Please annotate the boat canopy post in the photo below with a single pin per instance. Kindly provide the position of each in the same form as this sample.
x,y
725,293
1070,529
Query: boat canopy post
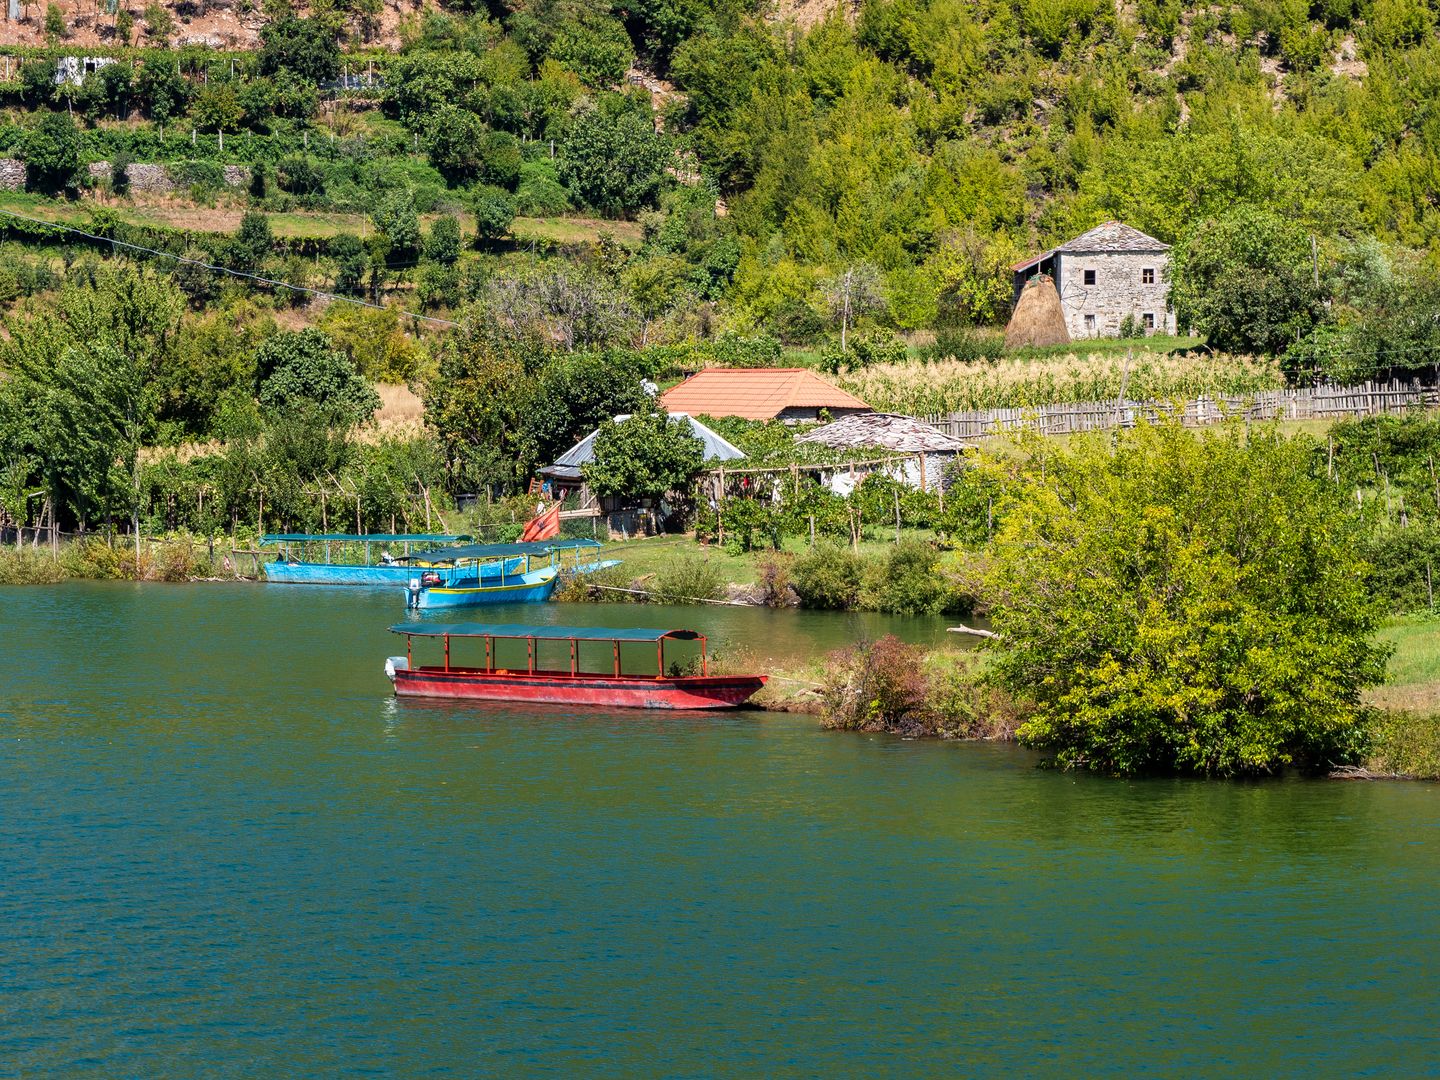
x,y
447,652
530,650
615,644
704,664
489,645
409,661
660,655
574,669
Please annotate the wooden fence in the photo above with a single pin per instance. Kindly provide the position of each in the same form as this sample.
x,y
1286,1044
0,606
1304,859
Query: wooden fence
x,y
1306,403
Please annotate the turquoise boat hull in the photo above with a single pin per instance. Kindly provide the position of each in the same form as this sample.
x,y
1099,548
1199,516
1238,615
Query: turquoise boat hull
x,y
310,573
532,588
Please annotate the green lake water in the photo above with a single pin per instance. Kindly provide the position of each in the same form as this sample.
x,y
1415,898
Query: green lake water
x,y
226,850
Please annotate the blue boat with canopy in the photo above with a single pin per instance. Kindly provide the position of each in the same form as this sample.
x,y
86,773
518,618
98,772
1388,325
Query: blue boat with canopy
x,y
498,573
358,558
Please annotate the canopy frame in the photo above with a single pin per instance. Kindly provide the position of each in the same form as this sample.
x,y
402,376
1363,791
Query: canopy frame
x,y
531,635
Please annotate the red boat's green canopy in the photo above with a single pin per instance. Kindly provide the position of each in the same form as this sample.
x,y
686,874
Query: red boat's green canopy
x,y
544,633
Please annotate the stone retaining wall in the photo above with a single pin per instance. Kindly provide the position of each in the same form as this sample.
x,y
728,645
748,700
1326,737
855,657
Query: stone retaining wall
x,y
151,178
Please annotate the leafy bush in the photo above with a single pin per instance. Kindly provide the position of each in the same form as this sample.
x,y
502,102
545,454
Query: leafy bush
x,y
540,192
687,578
1186,603
494,213
828,576
736,350
1405,566
775,569
907,581
28,567
966,344
749,523
94,559
877,686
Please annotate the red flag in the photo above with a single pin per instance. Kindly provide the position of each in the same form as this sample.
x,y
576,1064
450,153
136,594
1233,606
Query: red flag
x,y
545,526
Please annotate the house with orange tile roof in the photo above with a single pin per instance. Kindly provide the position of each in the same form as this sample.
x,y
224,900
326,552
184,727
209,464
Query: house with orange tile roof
x,y
761,394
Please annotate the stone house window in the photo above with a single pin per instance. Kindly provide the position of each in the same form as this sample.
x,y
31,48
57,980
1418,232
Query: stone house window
x,y
1090,320
1147,276
1149,319
1089,277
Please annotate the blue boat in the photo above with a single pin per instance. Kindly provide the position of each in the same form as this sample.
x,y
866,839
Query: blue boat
x,y
376,566
476,579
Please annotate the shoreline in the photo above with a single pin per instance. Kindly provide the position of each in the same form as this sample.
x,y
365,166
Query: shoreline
x,y
1405,730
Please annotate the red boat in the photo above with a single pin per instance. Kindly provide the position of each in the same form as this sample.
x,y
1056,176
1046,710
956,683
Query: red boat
x,y
566,686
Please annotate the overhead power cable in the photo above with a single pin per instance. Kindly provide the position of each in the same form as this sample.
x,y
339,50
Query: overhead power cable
x,y
274,283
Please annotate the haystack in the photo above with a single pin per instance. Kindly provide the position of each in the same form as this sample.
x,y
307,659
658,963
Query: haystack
x,y
1039,319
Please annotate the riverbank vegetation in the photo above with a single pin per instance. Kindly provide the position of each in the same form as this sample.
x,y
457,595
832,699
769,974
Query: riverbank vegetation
x,y
532,217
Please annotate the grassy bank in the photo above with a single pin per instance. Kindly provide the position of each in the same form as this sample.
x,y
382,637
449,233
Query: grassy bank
x,y
95,559
1406,738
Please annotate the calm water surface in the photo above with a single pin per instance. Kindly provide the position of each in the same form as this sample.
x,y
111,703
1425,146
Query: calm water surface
x,y
226,850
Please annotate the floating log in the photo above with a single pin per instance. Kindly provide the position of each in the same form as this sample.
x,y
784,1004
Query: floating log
x,y
973,630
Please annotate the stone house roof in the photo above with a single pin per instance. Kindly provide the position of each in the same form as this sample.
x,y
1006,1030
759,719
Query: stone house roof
x,y
1110,238
1113,236
903,434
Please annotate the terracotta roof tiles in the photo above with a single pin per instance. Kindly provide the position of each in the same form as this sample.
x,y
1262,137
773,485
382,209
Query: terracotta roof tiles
x,y
756,393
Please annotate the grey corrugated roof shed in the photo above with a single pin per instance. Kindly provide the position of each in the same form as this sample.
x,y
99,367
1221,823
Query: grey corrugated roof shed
x,y
903,434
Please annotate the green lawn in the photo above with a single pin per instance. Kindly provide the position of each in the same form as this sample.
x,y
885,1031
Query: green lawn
x,y
1413,680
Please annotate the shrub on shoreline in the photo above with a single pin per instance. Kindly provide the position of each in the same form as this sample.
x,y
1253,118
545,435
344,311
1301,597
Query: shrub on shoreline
x,y
685,579
27,567
828,577
887,685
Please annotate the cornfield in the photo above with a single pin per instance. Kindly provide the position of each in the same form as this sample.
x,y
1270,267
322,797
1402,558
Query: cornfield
x,y
953,386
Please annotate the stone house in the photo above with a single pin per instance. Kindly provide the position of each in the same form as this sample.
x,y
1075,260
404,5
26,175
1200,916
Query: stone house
x,y
1104,275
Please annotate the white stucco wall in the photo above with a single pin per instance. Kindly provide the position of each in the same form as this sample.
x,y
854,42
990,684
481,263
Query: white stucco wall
x,y
1119,290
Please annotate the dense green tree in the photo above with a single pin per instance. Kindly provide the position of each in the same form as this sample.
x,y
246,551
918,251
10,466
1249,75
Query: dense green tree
x,y
161,90
579,391
351,262
596,48
1186,603
614,161
1246,281
304,48
442,243
493,213
252,244
645,456
480,399
396,218
296,369
453,139
52,150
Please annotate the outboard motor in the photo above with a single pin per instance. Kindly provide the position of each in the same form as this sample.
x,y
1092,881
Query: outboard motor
x,y
412,593
394,664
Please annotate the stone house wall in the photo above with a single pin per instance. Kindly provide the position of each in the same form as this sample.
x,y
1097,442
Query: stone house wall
x,y
1119,289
